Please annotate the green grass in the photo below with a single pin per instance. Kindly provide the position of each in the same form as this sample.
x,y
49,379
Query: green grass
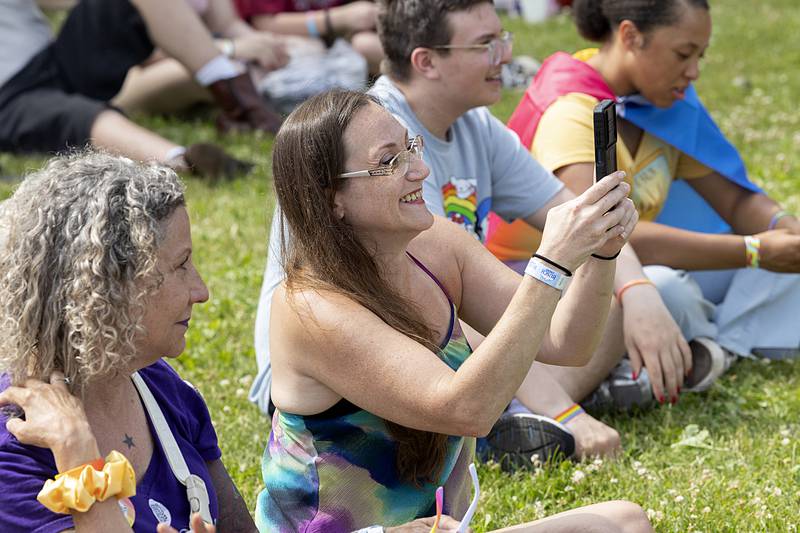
x,y
747,476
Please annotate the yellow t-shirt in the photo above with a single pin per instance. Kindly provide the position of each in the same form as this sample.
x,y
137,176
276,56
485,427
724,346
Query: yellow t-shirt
x,y
565,136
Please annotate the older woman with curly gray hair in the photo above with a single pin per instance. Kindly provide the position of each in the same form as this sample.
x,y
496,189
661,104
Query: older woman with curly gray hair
x,y
97,286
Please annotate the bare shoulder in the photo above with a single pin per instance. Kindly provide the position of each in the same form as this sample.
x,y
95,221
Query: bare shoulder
x,y
309,319
447,249
312,309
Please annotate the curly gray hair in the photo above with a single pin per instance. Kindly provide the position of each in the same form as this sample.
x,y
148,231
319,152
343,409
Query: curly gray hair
x,y
78,261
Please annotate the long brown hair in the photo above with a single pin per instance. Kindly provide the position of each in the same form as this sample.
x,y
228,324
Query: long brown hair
x,y
325,254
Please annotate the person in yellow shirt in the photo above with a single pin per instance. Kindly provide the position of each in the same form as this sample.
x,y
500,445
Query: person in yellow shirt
x,y
696,233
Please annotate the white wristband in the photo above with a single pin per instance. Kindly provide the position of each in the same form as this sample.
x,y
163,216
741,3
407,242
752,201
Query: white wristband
x,y
370,529
546,275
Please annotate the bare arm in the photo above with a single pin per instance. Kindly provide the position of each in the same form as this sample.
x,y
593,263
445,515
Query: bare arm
x,y
346,19
249,45
175,28
747,212
289,23
355,355
221,18
577,323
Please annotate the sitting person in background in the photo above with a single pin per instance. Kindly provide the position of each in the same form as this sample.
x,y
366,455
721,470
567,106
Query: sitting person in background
x,y
378,394
54,93
649,57
322,19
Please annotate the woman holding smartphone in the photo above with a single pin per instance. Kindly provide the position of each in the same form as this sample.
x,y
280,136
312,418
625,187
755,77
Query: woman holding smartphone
x,y
378,394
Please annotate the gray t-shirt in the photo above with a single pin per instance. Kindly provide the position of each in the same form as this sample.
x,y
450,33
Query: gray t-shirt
x,y
24,32
481,167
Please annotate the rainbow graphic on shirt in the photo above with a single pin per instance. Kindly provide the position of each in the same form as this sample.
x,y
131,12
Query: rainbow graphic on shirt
x,y
460,202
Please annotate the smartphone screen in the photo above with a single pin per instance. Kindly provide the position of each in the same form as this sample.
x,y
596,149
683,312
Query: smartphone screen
x,y
605,138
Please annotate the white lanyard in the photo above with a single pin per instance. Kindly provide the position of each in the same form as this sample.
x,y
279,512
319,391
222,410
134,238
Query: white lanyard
x,y
196,491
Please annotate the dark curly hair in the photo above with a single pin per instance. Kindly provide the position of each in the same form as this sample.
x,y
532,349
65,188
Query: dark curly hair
x,y
404,25
597,19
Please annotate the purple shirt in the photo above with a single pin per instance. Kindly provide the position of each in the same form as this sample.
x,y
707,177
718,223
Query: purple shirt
x,y
159,495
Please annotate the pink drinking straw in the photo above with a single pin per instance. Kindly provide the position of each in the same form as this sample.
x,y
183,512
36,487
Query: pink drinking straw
x,y
439,502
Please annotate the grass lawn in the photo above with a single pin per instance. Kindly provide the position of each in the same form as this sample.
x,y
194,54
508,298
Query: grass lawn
x,y
742,475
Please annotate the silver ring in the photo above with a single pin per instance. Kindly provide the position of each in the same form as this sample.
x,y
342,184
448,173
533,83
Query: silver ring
x,y
64,380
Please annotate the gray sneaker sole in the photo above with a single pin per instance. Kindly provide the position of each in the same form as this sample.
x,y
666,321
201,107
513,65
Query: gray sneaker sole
x,y
515,439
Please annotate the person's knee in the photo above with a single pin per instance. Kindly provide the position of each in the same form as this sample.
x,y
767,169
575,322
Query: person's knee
x,y
628,517
677,289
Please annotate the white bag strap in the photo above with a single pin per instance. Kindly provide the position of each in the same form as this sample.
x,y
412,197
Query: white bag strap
x,y
196,491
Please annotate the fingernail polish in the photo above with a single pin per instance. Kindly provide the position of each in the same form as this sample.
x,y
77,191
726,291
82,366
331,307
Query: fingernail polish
x,y
661,400
633,375
674,400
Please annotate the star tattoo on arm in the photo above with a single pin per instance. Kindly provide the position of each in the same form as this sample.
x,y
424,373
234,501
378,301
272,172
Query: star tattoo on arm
x,y
128,440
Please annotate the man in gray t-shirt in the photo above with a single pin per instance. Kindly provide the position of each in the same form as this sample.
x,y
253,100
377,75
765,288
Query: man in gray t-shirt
x,y
477,165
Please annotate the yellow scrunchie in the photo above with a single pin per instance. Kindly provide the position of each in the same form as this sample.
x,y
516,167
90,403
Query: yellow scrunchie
x,y
79,488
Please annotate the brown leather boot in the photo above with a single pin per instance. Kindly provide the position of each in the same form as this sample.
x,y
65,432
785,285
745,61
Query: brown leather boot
x,y
242,106
211,161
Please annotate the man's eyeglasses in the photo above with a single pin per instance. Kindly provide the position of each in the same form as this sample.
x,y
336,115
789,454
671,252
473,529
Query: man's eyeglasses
x,y
497,47
398,163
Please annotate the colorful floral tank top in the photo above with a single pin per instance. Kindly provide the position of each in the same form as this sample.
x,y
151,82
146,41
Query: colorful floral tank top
x,y
335,471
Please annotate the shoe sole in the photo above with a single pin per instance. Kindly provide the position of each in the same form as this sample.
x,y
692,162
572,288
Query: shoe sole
x,y
514,441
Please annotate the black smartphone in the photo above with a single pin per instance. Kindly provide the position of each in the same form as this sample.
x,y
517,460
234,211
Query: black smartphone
x,y
605,138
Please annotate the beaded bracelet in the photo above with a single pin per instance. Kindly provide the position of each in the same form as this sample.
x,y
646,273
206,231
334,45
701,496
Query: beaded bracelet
x,y
569,413
752,249
78,488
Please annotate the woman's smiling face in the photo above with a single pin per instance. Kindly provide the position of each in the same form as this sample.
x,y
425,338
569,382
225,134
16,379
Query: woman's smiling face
x,y
377,205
